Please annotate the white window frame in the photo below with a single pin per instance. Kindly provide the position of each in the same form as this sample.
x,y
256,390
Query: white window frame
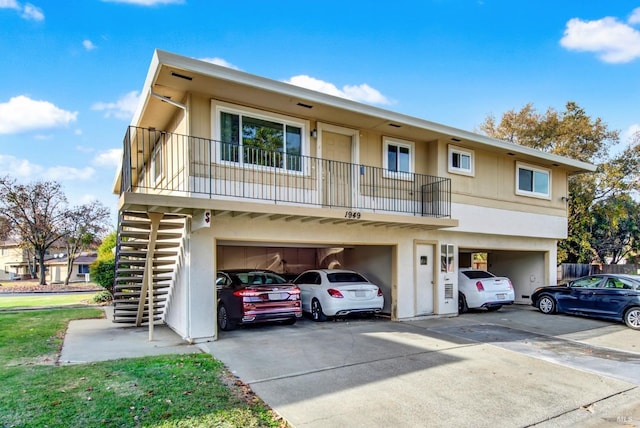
x,y
400,175
462,152
157,171
534,169
219,107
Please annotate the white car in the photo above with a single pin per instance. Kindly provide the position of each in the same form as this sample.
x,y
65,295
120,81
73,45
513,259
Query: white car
x,y
336,292
481,289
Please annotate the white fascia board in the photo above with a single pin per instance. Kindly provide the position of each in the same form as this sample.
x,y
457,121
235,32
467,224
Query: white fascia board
x,y
225,73
495,221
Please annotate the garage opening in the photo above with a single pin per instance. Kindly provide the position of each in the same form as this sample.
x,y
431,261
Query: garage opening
x,y
289,260
525,269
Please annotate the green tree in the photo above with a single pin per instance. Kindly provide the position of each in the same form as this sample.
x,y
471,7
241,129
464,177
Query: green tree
x,y
105,250
615,228
104,268
574,134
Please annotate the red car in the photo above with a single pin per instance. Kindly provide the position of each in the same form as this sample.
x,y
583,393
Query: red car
x,y
252,296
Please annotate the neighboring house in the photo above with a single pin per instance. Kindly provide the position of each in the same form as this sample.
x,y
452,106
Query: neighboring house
x,y
13,261
224,169
56,268
16,262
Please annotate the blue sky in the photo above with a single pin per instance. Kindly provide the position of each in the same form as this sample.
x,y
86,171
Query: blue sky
x,y
72,70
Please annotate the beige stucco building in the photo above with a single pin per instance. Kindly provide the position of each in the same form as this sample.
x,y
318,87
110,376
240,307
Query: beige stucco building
x,y
224,169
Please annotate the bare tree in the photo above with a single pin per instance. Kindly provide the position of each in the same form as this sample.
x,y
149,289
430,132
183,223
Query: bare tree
x,y
84,225
36,212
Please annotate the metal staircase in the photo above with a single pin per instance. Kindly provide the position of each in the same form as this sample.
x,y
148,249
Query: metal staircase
x,y
147,256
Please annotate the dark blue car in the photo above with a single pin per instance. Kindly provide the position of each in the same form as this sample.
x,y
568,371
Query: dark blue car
x,y
609,296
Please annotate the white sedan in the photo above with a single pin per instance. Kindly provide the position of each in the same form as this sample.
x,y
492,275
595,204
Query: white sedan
x,y
481,289
336,292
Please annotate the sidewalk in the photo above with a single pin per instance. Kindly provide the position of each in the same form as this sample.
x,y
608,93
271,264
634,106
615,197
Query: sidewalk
x,y
101,340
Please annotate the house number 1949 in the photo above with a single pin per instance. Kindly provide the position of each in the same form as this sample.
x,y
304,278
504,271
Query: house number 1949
x,y
352,214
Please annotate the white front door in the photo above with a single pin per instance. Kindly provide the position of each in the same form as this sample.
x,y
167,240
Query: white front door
x,y
424,279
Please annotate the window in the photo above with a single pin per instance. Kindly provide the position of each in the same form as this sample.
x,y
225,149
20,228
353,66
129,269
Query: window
x,y
446,258
253,139
589,282
156,163
308,278
460,161
533,181
83,269
398,157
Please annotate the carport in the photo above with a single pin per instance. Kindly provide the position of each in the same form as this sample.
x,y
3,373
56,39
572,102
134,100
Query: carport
x,y
525,269
375,262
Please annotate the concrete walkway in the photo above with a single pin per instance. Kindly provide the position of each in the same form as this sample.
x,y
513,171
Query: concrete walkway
x,y
102,340
512,368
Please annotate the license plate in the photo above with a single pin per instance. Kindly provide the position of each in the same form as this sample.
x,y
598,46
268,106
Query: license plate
x,y
502,296
360,293
277,296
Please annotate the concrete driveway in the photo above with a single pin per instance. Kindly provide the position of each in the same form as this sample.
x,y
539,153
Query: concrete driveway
x,y
512,368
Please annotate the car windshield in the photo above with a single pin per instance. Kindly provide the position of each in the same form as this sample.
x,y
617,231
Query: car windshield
x,y
345,277
260,278
477,274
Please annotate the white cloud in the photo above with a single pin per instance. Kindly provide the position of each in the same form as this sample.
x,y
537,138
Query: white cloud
x,y
22,114
67,173
20,168
612,40
32,12
9,4
123,108
362,92
146,2
634,18
88,45
27,11
24,170
220,61
110,158
633,132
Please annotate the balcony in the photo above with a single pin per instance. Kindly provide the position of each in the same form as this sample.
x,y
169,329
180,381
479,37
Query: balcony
x,y
163,163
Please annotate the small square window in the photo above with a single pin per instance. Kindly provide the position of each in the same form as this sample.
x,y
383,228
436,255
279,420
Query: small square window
x,y
460,161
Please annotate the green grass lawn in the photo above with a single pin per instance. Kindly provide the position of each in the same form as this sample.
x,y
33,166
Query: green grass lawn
x,y
44,300
162,391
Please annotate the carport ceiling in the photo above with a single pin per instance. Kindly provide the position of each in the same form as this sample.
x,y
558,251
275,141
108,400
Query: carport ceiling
x,y
278,244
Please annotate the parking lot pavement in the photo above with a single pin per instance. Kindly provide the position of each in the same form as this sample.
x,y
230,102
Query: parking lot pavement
x,y
514,367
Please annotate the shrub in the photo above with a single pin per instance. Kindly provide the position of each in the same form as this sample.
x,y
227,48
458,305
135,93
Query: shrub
x,y
103,272
103,296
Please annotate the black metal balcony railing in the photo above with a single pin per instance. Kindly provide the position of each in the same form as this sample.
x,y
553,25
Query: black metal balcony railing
x,y
182,165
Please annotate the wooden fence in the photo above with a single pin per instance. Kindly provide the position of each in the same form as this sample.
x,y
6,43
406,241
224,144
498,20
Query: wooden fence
x,y
569,271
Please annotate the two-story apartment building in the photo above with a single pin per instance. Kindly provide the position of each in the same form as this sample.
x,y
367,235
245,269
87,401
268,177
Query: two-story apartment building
x,y
224,169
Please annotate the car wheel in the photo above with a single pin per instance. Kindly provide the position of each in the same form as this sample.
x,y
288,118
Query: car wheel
x,y
223,318
546,304
462,304
290,321
494,308
316,311
632,318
